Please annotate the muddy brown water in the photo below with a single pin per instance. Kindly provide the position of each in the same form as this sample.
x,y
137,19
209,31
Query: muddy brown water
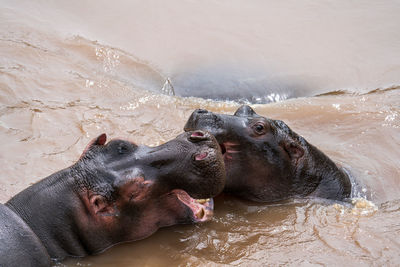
x,y
70,70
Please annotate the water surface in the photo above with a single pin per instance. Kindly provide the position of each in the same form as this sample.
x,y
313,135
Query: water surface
x,y
70,70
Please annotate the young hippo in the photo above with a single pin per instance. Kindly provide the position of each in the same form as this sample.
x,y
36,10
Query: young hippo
x,y
266,161
116,192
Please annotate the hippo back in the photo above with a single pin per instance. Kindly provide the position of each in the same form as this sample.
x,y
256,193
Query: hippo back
x,y
19,246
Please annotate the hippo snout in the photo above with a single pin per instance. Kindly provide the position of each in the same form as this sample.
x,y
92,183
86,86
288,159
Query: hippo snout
x,y
202,119
194,117
209,145
202,138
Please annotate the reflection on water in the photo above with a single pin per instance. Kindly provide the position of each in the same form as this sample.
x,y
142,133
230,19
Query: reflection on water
x,y
70,70
225,83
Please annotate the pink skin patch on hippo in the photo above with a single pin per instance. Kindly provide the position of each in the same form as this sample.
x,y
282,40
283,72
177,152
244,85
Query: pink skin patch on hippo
x,y
136,189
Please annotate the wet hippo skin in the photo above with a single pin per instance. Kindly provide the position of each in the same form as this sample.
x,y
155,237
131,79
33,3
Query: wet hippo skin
x,y
116,192
266,161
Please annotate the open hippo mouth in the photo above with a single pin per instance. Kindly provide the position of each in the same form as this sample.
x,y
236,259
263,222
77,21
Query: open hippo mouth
x,y
202,209
229,150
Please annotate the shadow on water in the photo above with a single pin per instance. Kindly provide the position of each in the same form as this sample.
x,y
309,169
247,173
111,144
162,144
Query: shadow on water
x,y
239,84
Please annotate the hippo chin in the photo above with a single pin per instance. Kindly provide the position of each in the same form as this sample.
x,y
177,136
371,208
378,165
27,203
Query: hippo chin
x,y
266,161
116,192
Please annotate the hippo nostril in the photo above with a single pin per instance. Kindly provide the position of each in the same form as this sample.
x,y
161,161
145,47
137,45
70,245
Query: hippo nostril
x,y
198,133
201,111
201,156
198,136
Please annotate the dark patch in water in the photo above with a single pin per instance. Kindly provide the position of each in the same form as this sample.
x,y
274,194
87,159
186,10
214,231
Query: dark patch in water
x,y
237,84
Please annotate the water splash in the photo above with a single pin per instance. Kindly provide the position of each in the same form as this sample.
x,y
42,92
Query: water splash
x,y
275,97
167,88
336,106
363,207
391,117
109,56
89,83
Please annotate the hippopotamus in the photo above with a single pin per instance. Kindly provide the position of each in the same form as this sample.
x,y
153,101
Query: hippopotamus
x,y
266,161
115,192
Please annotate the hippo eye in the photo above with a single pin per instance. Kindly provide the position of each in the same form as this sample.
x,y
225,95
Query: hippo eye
x,y
259,128
123,148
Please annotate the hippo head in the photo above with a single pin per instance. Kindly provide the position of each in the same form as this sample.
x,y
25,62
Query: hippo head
x,y
129,191
261,155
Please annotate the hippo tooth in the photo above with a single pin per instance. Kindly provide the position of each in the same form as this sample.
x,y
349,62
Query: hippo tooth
x,y
202,201
200,214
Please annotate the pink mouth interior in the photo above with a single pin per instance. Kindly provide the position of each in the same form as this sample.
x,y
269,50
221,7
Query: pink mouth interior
x,y
201,212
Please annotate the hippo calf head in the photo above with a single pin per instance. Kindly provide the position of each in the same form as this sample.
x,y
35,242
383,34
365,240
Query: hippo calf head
x,y
123,184
119,191
266,161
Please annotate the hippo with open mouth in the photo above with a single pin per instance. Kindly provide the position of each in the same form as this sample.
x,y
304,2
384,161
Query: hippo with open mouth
x,y
116,192
266,161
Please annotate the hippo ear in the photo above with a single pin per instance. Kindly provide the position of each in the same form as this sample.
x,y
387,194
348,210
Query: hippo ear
x,y
98,141
98,205
294,150
245,111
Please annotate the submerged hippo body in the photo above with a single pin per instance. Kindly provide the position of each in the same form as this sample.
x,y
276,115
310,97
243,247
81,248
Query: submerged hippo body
x,y
266,161
116,192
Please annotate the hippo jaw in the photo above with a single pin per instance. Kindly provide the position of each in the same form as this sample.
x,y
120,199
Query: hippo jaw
x,y
202,209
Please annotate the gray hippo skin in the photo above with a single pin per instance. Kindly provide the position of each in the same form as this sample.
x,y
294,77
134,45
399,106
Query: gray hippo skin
x,y
266,161
116,192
